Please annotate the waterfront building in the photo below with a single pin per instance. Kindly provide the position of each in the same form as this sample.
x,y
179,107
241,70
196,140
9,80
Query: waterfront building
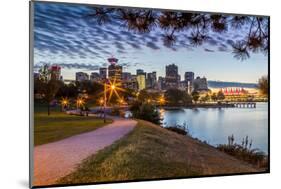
x,y
81,76
233,91
189,78
200,84
172,76
182,86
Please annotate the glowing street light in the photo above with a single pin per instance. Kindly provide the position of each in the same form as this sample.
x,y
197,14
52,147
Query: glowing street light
x,y
112,87
64,102
79,102
101,101
121,101
162,100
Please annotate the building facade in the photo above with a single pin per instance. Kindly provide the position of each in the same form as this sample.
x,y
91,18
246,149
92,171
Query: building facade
x,y
103,73
55,72
126,76
95,77
200,84
172,76
151,80
189,78
114,70
141,82
161,83
81,76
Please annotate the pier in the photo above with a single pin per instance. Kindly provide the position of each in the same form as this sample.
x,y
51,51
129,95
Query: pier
x,y
244,104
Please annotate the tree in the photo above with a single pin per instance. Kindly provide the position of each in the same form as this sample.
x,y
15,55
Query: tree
x,y
143,95
220,96
145,111
198,28
205,98
214,97
177,97
195,96
263,85
47,85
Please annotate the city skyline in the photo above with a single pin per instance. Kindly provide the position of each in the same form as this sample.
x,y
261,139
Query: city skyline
x,y
77,44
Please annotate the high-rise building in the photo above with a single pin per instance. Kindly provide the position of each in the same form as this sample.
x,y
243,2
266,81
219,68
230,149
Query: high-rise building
x,y
182,86
126,76
103,73
95,77
172,76
131,83
151,80
141,82
189,78
114,70
200,84
81,76
161,83
139,71
55,72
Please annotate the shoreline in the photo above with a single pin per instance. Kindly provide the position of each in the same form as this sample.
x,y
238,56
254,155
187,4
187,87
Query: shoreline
x,y
206,105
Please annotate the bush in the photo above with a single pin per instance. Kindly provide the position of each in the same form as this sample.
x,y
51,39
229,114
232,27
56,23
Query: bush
x,y
244,152
146,112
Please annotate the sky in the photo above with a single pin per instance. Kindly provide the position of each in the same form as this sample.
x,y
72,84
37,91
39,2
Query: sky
x,y
64,34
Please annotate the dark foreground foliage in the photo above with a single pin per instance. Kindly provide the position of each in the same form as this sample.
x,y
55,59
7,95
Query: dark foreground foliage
x,y
146,112
244,152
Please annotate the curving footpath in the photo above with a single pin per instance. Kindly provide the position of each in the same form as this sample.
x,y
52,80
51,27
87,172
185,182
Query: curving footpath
x,y
57,159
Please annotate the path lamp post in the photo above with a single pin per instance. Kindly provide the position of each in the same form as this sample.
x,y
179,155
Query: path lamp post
x,y
79,103
162,100
64,103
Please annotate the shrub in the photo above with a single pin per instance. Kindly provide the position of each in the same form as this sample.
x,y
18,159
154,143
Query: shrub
x,y
146,112
180,129
244,152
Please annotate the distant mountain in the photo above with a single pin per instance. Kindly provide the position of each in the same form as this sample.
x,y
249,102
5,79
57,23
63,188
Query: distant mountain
x,y
223,84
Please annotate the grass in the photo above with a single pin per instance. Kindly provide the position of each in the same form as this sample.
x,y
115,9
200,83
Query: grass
x,y
59,125
144,154
152,152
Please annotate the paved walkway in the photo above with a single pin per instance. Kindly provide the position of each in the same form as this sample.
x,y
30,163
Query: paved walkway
x,y
55,160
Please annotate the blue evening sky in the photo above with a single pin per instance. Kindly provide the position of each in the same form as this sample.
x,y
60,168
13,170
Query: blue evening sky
x,y
65,35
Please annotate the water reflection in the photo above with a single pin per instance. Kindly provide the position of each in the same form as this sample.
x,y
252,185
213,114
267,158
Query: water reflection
x,y
215,125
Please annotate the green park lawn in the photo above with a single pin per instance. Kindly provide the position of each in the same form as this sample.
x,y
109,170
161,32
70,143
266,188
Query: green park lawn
x,y
59,125
145,153
151,152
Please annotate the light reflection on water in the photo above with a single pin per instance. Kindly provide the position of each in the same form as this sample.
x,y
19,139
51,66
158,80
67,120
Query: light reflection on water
x,y
215,125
